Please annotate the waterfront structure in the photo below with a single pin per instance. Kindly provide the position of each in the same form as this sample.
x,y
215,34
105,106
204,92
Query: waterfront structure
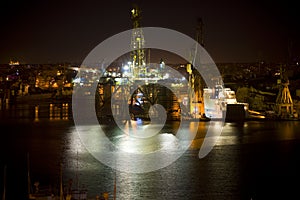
x,y
138,64
196,83
137,87
284,106
221,103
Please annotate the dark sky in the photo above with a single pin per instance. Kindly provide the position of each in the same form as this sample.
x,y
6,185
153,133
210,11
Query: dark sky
x,y
48,31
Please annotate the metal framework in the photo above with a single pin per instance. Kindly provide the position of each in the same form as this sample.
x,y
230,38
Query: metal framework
x,y
284,102
138,65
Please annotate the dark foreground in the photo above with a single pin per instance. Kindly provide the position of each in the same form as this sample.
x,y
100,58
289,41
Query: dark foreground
x,y
252,160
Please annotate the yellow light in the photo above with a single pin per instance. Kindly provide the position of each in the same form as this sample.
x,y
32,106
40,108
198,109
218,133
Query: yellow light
x,y
36,116
189,68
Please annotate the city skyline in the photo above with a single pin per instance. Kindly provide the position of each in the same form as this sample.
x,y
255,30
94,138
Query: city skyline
x,y
66,31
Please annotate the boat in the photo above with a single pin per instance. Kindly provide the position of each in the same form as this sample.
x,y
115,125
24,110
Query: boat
x,y
42,192
138,107
4,184
136,111
221,103
76,193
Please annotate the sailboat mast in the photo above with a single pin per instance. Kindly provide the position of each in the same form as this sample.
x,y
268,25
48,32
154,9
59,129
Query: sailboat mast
x,y
28,176
61,184
4,184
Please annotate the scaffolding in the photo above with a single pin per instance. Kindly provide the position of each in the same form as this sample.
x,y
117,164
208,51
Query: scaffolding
x,y
284,103
138,87
138,64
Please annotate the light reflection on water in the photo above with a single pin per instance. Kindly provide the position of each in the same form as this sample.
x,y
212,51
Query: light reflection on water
x,y
38,111
219,175
222,167
130,186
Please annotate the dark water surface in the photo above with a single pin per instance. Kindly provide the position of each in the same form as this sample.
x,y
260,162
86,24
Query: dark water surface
x,y
253,160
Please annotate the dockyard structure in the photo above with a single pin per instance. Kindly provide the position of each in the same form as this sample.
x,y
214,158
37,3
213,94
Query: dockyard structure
x,y
137,87
284,107
138,64
135,84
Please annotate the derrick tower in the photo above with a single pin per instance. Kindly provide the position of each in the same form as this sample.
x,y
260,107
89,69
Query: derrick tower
x,y
199,82
196,83
137,45
284,102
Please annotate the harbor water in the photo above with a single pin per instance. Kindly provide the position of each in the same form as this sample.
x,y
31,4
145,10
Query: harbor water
x,y
251,160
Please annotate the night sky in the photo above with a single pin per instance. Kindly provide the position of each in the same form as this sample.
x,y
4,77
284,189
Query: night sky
x,y
50,31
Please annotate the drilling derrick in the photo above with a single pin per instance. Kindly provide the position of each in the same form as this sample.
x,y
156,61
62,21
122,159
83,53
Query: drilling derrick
x,y
199,83
284,102
195,80
137,45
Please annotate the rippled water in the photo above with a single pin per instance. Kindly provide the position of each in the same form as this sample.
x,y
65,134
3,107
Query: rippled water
x,y
255,159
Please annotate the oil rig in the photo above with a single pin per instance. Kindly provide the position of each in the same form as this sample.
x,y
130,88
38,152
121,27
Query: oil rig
x,y
136,85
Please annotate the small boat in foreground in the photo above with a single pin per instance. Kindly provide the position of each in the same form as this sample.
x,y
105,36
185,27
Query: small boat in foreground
x,y
40,192
4,184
